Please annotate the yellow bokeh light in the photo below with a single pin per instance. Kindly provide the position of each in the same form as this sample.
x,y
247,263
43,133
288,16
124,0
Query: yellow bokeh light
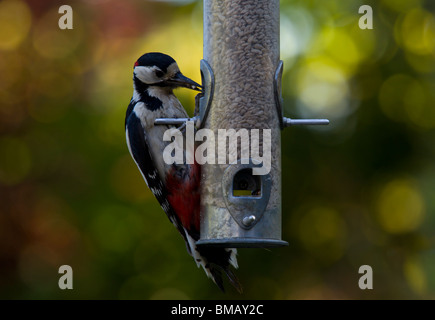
x,y
416,32
341,47
365,44
400,207
323,88
15,22
346,46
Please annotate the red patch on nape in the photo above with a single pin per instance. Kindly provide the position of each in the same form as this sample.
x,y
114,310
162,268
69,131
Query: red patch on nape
x,y
136,64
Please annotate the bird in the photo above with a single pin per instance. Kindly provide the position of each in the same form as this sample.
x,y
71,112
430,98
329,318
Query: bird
x,y
175,186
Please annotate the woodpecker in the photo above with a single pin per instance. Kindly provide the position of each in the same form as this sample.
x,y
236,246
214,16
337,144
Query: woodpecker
x,y
176,186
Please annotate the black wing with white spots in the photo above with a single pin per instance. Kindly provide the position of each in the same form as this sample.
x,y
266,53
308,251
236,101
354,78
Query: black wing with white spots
x,y
141,153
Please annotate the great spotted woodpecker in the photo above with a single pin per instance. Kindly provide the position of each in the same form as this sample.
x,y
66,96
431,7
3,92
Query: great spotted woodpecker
x,y
176,187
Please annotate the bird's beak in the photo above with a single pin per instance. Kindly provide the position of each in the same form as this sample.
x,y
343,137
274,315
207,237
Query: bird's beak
x,y
179,80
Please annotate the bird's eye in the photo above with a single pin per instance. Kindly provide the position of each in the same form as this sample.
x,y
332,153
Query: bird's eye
x,y
159,73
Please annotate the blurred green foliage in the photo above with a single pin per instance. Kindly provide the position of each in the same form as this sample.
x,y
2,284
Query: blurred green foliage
x,y
360,191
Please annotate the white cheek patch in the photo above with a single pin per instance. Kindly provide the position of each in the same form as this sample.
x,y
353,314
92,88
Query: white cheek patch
x,y
173,69
146,74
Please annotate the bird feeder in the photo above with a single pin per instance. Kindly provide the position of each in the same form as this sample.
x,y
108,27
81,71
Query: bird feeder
x,y
241,100
241,73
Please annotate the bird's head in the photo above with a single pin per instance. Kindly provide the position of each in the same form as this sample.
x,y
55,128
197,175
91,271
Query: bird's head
x,y
158,69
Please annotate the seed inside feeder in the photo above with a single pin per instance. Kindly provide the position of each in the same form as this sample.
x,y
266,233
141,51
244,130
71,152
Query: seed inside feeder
x,y
241,45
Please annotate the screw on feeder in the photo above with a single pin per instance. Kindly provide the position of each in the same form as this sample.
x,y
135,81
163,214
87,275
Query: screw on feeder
x,y
248,220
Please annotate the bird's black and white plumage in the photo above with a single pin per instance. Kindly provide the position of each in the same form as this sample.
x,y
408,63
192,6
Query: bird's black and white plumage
x,y
176,187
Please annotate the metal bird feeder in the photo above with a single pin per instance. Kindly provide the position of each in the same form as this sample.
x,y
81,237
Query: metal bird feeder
x,y
241,74
241,77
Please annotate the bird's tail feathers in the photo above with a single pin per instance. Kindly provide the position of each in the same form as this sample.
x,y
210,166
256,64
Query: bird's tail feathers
x,y
214,272
217,261
233,257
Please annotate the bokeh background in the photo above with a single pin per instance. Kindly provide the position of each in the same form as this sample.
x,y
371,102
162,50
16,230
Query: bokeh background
x,y
359,192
